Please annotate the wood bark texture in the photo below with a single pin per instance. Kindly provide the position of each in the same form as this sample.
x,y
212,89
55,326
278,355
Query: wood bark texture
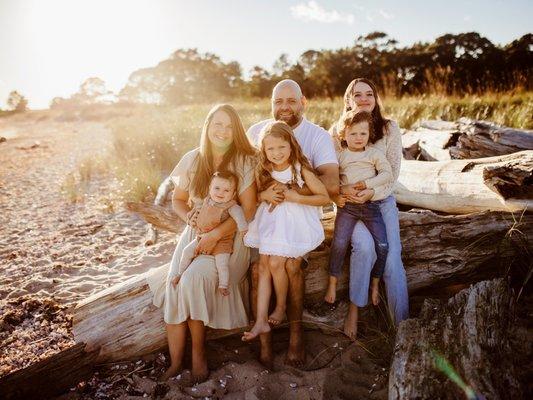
x,y
471,332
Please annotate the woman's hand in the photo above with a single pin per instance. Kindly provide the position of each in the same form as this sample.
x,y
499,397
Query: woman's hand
x,y
175,280
349,190
207,243
192,216
361,185
363,196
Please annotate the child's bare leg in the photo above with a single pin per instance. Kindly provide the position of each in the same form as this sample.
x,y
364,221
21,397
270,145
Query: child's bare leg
x,y
350,323
222,264
331,291
264,291
375,291
276,265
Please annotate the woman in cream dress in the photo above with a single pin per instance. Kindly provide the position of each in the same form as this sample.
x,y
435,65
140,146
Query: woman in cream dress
x,y
194,302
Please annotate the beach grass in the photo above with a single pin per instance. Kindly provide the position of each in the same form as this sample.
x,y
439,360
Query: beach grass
x,y
148,143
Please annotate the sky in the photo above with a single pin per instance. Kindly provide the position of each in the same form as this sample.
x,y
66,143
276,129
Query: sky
x,y
49,47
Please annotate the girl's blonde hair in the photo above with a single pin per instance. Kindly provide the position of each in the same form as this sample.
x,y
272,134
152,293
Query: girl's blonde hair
x,y
238,150
280,130
351,118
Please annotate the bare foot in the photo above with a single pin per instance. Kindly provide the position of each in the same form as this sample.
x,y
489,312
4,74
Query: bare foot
x,y
350,323
223,291
277,316
295,355
259,328
375,291
199,372
200,376
331,291
266,358
173,370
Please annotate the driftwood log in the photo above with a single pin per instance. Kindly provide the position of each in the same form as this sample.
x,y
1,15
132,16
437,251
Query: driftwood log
x,y
485,139
471,332
122,322
464,139
465,186
50,376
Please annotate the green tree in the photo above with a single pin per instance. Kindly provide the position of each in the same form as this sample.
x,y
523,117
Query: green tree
x,y
17,102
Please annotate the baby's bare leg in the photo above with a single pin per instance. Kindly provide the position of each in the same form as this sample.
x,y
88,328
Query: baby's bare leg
x,y
222,264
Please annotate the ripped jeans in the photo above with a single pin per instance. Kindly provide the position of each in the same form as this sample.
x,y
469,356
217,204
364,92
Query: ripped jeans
x,y
347,217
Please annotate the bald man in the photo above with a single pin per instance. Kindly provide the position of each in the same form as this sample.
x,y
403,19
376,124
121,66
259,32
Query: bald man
x,y
288,105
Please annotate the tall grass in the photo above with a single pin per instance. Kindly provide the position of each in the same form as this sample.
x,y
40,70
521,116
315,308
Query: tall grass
x,y
149,143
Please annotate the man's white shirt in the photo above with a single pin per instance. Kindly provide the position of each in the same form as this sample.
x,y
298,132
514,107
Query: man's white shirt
x,y
316,142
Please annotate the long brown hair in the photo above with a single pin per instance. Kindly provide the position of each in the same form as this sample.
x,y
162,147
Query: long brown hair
x,y
239,149
283,131
380,123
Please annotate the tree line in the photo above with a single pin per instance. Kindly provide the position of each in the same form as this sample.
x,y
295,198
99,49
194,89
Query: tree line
x,y
453,64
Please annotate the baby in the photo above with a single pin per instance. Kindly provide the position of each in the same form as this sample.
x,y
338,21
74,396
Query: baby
x,y
217,207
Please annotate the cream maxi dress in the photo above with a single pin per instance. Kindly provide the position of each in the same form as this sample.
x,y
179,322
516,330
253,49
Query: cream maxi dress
x,y
196,296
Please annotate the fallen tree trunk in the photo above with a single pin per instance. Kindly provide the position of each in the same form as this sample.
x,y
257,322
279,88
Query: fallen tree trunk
x,y
157,215
464,139
485,139
464,186
471,332
428,145
49,377
123,323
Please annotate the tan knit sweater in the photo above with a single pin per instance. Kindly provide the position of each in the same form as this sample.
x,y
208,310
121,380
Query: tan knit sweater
x,y
391,146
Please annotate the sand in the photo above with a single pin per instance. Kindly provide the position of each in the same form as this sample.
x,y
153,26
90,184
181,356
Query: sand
x,y
54,252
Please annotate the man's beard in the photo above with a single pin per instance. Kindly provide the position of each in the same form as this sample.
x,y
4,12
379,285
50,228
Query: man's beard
x,y
292,121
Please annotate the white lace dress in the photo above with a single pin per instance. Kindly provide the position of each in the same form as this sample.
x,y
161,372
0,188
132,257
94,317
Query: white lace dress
x,y
290,230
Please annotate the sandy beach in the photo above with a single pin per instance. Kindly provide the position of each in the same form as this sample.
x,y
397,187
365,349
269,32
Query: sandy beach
x,y
54,252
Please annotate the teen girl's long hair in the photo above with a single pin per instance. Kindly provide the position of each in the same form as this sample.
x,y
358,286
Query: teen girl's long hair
x,y
280,130
380,123
239,149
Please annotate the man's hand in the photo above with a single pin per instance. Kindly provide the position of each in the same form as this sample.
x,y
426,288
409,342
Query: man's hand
x,y
363,196
207,243
273,194
292,196
359,185
340,200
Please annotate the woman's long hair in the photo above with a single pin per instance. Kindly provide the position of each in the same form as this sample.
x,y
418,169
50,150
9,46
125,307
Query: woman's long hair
x,y
380,123
280,130
238,150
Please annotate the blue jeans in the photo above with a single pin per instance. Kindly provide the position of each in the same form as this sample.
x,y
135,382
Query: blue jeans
x,y
347,216
363,258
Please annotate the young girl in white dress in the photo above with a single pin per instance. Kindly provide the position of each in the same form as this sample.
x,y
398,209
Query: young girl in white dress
x,y
290,229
